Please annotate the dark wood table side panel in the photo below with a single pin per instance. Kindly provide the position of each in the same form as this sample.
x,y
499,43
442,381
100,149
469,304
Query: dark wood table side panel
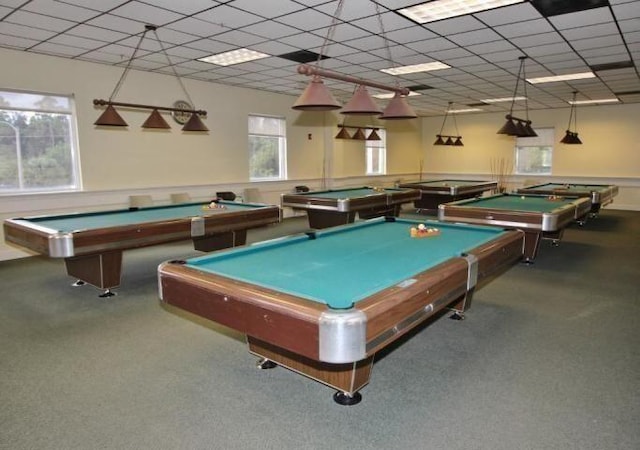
x,y
320,219
27,238
349,377
304,202
278,318
241,220
101,270
485,215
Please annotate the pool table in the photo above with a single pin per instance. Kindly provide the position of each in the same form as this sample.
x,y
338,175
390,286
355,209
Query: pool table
x,y
600,194
92,243
434,192
333,207
323,303
539,216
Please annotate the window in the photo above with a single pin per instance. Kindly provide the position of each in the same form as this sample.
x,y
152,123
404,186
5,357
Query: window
x,y
533,154
267,148
376,152
37,143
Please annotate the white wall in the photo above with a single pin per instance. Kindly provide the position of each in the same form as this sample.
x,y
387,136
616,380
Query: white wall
x,y
119,162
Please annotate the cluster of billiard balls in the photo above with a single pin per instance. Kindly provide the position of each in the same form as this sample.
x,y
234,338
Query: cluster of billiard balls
x,y
213,205
423,231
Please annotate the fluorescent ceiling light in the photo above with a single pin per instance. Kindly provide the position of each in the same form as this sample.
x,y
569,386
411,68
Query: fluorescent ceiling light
x,y
233,57
567,77
424,67
503,99
444,9
457,111
588,102
391,94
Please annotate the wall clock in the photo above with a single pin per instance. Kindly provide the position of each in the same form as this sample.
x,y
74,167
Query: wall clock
x,y
181,117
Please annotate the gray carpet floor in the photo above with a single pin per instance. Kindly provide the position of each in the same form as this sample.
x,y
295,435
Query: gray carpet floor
x,y
547,358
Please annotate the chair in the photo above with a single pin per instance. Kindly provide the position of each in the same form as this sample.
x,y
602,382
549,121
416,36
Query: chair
x,y
226,195
301,189
180,197
252,195
139,201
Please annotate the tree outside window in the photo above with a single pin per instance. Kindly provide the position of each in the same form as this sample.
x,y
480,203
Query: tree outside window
x,y
267,148
534,154
37,151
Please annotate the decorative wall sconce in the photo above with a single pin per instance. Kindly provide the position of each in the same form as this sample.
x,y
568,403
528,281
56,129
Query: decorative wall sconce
x,y
516,126
359,134
456,139
111,118
316,96
572,137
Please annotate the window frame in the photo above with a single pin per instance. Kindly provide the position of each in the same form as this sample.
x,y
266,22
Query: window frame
x,y
281,143
75,174
381,147
544,142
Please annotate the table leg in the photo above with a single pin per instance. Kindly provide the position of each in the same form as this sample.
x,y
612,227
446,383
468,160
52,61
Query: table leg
x,y
326,219
347,378
101,270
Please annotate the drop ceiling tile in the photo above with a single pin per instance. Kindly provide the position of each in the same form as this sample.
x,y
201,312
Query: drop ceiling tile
x,y
342,33
145,13
101,57
16,42
509,14
431,45
490,47
307,19
629,25
537,26
60,10
474,37
270,9
548,49
410,34
352,9
17,30
40,21
455,25
627,10
78,42
590,31
116,23
59,50
91,32
227,17
270,30
211,46
537,40
239,38
597,42
273,48
581,18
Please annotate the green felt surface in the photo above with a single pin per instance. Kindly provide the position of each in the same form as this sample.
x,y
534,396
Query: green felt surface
x,y
447,183
349,193
121,217
529,203
570,187
346,264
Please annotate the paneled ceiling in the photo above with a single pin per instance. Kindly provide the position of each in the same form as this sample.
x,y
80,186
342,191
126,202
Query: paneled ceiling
x,y
483,48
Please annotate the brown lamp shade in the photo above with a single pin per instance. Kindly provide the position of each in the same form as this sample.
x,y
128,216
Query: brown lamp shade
x,y
359,135
343,134
110,118
529,129
194,124
316,97
439,141
449,141
155,120
361,104
373,136
509,128
398,108
458,142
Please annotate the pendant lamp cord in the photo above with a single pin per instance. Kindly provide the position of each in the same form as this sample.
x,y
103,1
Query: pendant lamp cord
x,y
515,91
128,66
573,114
445,119
331,31
175,72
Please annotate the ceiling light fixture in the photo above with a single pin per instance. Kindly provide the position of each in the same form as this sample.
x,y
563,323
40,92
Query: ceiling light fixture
x,y
572,137
390,95
566,77
444,9
593,102
503,99
456,139
238,56
514,125
316,96
464,110
111,118
359,134
415,68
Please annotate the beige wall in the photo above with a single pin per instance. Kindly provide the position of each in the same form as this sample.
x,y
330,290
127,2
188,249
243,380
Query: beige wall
x,y
610,136
116,163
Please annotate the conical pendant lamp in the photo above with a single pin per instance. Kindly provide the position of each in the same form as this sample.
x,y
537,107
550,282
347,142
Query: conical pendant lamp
x,y
316,97
572,137
194,124
398,108
110,118
155,121
343,134
361,104
359,135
